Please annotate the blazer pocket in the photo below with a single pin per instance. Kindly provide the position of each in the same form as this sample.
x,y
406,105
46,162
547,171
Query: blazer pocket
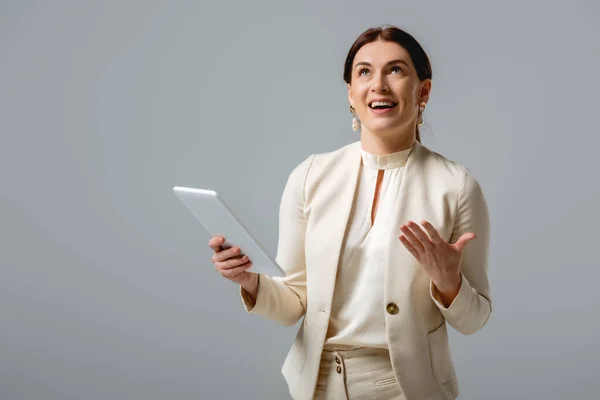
x,y
439,353
297,353
386,381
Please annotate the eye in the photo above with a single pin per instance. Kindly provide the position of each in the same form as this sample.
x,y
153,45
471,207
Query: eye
x,y
360,71
396,68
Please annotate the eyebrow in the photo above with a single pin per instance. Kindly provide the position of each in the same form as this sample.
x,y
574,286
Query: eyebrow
x,y
388,63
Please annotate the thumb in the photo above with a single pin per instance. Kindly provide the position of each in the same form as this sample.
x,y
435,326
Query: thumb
x,y
463,240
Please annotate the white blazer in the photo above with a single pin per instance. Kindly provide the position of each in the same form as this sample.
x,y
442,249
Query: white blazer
x,y
315,208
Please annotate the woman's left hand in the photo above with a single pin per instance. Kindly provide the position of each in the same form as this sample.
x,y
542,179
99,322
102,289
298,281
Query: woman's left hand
x,y
440,259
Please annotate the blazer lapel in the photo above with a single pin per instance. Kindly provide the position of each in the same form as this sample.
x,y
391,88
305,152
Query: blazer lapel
x,y
409,207
340,213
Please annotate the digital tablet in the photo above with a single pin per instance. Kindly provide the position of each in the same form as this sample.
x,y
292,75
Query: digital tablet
x,y
218,219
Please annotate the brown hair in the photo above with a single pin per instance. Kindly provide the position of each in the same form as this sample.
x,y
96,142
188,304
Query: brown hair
x,y
391,34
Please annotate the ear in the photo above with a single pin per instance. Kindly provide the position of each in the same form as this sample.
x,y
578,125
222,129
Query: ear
x,y
425,91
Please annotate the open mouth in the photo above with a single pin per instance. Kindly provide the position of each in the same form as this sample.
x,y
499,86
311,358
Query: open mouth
x,y
382,105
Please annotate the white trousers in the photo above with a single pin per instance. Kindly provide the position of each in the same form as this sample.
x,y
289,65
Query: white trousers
x,y
358,374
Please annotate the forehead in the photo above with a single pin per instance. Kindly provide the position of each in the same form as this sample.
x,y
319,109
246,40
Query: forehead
x,y
380,52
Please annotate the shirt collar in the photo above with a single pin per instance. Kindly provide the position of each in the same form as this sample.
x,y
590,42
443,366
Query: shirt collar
x,y
387,161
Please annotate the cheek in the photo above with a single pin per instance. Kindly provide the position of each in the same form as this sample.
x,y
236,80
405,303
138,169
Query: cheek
x,y
406,92
360,95
406,99
360,98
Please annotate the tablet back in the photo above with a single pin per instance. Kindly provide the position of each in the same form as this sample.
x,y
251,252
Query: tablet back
x,y
218,219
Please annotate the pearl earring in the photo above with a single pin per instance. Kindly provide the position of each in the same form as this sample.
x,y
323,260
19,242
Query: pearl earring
x,y
421,109
355,124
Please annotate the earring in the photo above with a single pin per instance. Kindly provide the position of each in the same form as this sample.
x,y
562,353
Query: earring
x,y
421,109
354,120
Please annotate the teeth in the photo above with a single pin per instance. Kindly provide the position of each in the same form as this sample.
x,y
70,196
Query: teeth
x,y
382,103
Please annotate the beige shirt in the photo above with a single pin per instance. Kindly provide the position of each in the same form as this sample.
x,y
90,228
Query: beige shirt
x,y
357,312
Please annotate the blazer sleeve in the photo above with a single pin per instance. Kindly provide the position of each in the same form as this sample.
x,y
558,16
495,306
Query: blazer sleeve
x,y
283,299
472,307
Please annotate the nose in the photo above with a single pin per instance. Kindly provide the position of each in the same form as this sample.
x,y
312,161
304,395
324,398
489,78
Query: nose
x,y
380,84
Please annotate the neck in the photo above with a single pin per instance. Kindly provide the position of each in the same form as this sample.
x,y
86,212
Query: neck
x,y
379,144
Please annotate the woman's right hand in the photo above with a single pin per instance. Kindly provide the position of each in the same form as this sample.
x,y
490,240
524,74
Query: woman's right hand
x,y
233,266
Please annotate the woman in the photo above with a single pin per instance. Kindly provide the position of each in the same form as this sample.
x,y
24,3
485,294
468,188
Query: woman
x,y
383,242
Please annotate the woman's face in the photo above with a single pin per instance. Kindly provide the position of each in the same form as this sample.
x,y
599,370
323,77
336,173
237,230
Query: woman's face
x,y
384,71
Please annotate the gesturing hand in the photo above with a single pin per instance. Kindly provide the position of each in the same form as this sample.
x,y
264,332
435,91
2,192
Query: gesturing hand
x,y
440,259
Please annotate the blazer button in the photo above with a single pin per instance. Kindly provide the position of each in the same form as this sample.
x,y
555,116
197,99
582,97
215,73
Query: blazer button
x,y
339,369
392,308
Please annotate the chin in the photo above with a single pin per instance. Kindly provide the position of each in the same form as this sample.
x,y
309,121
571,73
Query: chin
x,y
383,127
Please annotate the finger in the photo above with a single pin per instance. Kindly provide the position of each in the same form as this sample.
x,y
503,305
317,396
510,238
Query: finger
x,y
433,234
231,263
412,239
224,255
409,246
463,240
215,243
421,235
233,272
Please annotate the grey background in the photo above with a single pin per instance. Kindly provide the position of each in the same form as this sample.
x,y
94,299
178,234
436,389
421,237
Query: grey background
x,y
106,286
